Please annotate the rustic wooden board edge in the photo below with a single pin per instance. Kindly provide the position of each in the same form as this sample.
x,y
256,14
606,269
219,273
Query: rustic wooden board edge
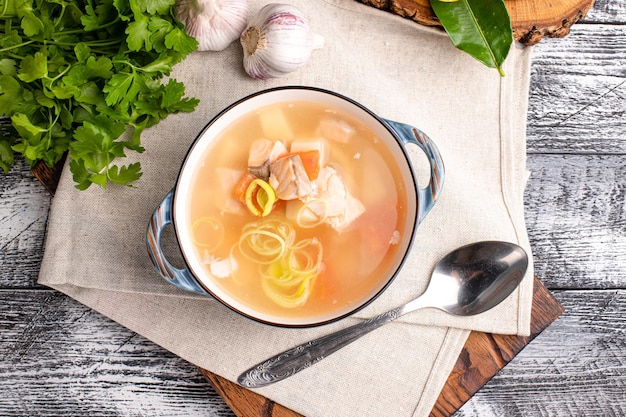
x,y
531,19
49,176
482,357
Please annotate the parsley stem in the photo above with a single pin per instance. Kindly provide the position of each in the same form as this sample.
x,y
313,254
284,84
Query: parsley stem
x,y
16,56
51,124
94,29
8,48
88,43
60,74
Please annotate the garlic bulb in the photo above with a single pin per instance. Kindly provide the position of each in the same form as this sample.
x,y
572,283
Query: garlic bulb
x,y
277,41
214,23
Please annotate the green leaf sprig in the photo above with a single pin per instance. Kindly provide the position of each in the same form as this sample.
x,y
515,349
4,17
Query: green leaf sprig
x,y
76,74
482,28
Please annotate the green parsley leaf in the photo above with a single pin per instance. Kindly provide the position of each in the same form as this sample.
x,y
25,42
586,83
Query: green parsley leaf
x,y
162,65
117,88
80,175
33,67
154,6
27,129
139,35
172,99
86,79
31,24
10,90
6,155
8,66
179,41
160,28
126,174
82,51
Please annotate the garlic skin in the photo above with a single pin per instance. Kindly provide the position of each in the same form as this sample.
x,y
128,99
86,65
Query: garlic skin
x,y
277,41
215,24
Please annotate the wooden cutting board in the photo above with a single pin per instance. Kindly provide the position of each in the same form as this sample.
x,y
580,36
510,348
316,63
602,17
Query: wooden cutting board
x,y
531,19
482,357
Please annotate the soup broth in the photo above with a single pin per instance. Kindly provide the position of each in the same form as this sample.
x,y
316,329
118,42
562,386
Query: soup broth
x,y
292,242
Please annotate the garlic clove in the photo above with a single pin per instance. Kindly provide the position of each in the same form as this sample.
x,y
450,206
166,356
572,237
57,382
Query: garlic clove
x,y
277,41
215,24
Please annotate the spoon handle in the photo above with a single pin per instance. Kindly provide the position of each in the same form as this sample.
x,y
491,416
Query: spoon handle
x,y
307,354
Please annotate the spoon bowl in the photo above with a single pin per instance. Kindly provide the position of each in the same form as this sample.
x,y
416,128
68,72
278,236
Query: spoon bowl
x,y
475,278
468,281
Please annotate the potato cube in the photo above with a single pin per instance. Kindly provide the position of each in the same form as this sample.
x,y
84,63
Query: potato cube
x,y
320,145
275,125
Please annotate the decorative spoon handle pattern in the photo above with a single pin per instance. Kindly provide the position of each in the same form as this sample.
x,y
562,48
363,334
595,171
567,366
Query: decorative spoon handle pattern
x,y
294,360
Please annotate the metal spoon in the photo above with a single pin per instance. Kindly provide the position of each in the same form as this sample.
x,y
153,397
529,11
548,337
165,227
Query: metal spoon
x,y
469,280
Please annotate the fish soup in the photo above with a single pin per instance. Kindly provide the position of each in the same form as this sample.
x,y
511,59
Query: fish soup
x,y
297,210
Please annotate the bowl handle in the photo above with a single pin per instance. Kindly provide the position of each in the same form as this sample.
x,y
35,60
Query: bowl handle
x,y
162,217
427,196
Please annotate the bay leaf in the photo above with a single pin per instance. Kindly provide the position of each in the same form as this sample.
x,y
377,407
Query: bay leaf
x,y
482,28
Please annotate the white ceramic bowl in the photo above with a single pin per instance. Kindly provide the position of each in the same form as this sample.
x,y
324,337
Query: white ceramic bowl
x,y
172,209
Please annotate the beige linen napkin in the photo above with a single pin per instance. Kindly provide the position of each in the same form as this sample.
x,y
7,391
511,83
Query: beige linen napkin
x,y
95,250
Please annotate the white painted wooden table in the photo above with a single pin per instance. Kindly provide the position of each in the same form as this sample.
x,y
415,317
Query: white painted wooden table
x,y
58,357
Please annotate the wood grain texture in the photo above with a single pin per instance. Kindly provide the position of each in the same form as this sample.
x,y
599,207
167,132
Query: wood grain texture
x,y
607,11
23,215
49,176
484,354
575,82
576,219
531,19
576,367
60,358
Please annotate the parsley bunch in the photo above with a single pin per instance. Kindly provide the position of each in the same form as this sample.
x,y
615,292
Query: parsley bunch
x,y
76,74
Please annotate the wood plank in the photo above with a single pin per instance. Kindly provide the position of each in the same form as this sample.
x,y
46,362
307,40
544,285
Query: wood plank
x,y
570,122
62,358
577,99
607,11
576,367
69,360
589,49
482,357
531,19
576,219
24,205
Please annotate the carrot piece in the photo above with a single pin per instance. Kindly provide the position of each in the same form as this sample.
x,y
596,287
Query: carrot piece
x,y
239,191
310,162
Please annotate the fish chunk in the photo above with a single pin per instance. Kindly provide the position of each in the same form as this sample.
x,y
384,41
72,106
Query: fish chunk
x,y
289,179
262,153
340,208
335,129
